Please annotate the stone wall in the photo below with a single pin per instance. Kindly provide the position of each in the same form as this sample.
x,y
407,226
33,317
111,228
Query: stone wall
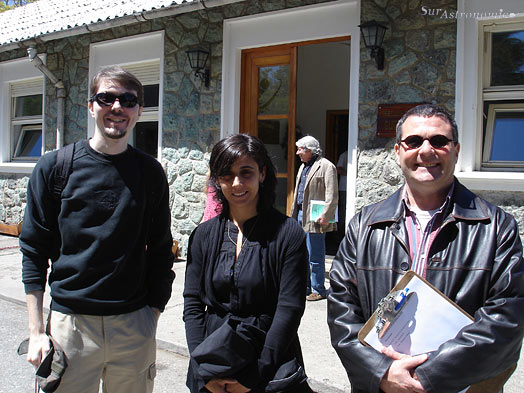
x,y
191,112
420,53
13,190
511,202
419,67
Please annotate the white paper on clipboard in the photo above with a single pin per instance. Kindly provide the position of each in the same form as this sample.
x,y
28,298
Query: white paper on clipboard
x,y
426,320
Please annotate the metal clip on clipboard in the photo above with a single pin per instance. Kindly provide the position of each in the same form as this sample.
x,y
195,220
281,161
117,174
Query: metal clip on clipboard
x,y
389,308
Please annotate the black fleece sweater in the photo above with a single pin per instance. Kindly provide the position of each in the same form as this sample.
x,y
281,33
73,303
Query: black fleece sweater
x,y
109,237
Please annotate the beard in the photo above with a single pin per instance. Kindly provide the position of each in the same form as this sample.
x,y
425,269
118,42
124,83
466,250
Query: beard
x,y
114,133
116,130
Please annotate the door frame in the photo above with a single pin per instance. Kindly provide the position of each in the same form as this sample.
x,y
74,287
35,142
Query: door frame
x,y
292,25
331,115
252,59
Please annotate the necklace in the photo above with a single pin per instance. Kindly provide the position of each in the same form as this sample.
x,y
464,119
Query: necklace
x,y
245,237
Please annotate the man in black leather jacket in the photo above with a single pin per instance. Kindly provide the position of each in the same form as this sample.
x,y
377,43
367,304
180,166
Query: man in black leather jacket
x,y
466,247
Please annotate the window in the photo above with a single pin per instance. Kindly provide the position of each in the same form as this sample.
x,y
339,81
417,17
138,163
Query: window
x,y
145,133
146,64
29,143
504,134
26,120
503,96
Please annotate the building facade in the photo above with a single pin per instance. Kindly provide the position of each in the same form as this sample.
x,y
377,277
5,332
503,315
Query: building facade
x,y
279,70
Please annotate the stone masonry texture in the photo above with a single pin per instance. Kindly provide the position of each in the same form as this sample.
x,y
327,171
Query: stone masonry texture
x,y
419,67
420,53
191,112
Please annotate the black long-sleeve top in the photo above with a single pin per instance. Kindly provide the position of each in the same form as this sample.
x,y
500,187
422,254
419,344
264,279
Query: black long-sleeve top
x,y
268,278
108,238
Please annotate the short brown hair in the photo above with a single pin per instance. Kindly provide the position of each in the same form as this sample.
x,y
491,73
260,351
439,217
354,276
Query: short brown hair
x,y
428,110
121,77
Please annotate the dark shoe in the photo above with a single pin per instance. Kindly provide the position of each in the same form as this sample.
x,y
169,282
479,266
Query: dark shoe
x,y
313,297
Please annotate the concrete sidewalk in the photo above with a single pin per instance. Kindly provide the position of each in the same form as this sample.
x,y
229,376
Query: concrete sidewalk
x,y
322,364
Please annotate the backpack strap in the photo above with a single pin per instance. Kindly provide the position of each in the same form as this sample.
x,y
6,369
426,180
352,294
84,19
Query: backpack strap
x,y
63,167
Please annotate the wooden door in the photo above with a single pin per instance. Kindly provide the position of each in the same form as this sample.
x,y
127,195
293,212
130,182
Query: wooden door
x,y
268,108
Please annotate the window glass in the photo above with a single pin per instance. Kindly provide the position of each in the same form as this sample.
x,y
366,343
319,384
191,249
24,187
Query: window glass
x,y
502,96
507,58
28,105
145,137
26,127
151,93
508,137
29,143
273,90
274,135
145,133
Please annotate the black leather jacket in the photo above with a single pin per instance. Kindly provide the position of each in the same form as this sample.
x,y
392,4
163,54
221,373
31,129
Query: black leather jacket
x,y
475,259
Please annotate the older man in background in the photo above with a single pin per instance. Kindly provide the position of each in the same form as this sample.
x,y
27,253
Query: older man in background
x,y
316,181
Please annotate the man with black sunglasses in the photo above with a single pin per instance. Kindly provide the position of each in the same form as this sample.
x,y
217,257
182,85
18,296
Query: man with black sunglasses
x,y
466,247
109,241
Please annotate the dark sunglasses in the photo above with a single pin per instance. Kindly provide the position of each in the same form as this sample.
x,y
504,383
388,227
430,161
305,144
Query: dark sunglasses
x,y
437,141
126,100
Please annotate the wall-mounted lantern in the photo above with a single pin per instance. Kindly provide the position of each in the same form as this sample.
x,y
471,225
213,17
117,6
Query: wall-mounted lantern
x,y
373,34
197,60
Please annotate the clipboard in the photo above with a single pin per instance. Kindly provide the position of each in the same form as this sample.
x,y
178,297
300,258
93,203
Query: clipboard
x,y
415,318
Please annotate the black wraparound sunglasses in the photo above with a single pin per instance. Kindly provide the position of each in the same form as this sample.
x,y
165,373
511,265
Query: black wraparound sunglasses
x,y
126,100
437,141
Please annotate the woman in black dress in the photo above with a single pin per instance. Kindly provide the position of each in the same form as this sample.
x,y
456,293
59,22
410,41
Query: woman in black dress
x,y
245,284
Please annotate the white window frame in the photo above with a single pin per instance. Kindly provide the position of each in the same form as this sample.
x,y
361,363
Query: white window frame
x,y
146,64
23,131
25,89
17,72
488,143
470,95
494,96
148,73
486,29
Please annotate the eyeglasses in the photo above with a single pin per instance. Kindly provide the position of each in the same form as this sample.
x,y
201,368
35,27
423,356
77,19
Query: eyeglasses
x,y
127,100
437,141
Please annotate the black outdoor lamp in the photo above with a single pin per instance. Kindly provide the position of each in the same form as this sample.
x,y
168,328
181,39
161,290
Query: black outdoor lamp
x,y
373,35
197,60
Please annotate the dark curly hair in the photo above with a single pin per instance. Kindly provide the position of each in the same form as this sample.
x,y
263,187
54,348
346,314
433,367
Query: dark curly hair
x,y
227,151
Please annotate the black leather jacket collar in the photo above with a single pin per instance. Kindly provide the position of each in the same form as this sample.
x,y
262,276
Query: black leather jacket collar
x,y
466,206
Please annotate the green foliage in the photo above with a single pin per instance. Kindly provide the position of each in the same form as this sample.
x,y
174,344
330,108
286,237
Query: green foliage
x,y
6,5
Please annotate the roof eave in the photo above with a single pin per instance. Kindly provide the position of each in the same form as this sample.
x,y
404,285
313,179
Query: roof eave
x,y
120,21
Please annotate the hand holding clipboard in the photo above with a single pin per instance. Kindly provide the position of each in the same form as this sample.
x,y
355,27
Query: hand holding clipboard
x,y
415,318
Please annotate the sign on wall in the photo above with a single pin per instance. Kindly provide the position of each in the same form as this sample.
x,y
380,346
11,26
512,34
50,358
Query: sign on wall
x,y
388,117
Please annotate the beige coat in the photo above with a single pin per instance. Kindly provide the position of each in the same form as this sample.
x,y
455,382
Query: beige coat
x,y
321,184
